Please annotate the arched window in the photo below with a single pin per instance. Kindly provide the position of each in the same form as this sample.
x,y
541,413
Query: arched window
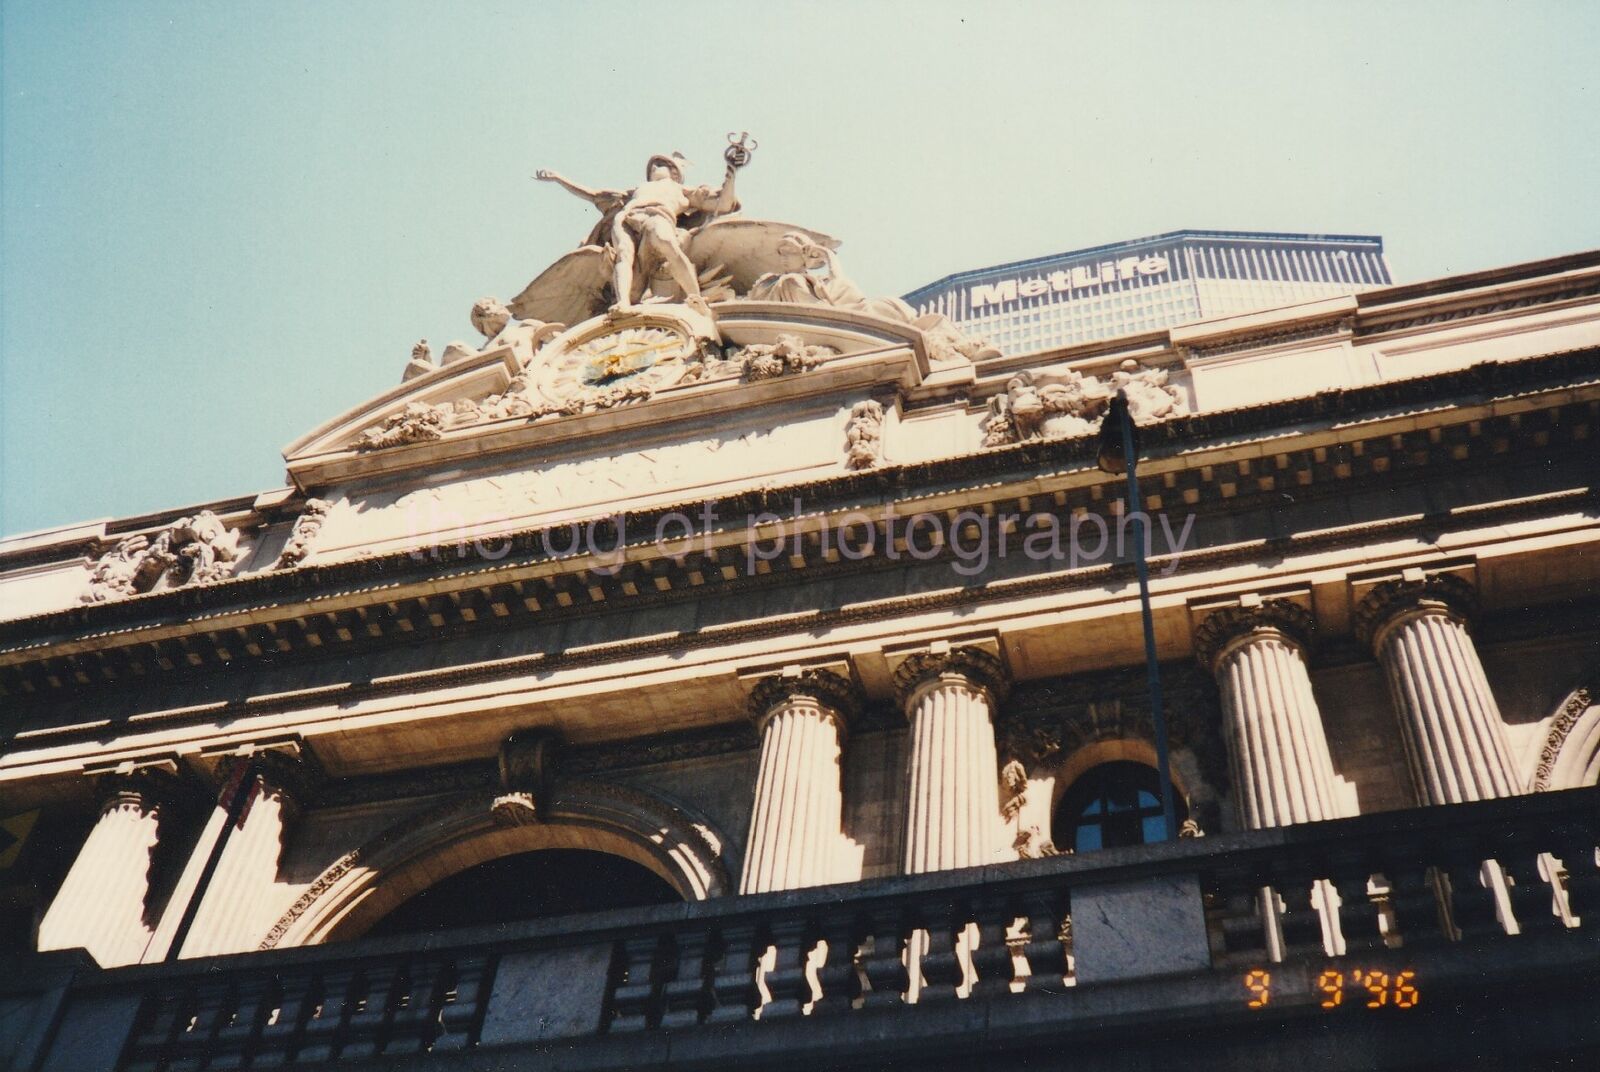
x,y
528,885
1113,805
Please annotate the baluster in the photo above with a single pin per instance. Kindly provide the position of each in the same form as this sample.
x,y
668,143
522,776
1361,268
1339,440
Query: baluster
x,y
256,997
685,999
280,1030
1361,926
1270,910
212,1007
940,963
1581,877
162,1017
836,977
1046,952
462,1007
1237,923
885,970
635,1002
1301,924
733,986
338,992
1580,859
416,1009
991,961
791,942
1416,902
1476,899
368,1023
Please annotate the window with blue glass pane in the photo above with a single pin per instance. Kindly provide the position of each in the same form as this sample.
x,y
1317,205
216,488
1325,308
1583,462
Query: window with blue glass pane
x,y
1113,805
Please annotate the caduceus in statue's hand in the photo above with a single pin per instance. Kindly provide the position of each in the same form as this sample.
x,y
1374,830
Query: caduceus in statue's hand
x,y
644,222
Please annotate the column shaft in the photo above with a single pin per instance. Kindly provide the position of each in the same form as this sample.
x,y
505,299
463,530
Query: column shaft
x,y
245,875
1282,767
1281,759
953,789
1455,737
102,903
796,834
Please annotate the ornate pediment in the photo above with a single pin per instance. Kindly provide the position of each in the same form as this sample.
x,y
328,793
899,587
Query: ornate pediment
x,y
671,296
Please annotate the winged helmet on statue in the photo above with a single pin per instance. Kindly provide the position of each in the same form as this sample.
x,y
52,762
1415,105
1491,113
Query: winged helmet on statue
x,y
662,240
641,306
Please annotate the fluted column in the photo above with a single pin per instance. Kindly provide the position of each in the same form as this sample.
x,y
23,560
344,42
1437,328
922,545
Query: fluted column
x,y
1281,764
213,907
102,905
953,795
1454,735
796,834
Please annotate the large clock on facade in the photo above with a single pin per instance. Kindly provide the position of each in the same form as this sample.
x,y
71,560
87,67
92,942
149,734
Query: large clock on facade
x,y
639,355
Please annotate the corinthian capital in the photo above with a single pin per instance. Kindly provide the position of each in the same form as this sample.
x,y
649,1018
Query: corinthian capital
x,y
976,667
1222,630
1392,602
145,785
828,689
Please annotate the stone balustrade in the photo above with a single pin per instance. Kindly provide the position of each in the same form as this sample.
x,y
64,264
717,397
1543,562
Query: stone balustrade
x,y
1171,924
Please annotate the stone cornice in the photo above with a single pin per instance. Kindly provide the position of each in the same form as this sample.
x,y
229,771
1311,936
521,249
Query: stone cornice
x,y
530,548
1218,632
825,687
1011,588
977,667
1393,601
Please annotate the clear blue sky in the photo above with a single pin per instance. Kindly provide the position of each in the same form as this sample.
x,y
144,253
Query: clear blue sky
x,y
223,223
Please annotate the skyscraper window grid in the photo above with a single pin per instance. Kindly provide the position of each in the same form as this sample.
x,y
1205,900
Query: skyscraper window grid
x,y
1151,283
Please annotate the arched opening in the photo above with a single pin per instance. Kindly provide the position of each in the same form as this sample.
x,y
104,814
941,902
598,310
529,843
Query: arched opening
x,y
525,886
1111,806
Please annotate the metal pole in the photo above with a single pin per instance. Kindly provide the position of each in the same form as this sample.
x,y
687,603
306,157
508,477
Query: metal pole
x,y
1152,668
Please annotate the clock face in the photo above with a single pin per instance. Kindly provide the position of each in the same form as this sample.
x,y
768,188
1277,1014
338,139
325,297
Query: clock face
x,y
646,355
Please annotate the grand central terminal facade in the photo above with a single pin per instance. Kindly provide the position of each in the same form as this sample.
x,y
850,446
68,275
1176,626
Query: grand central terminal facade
x,y
718,667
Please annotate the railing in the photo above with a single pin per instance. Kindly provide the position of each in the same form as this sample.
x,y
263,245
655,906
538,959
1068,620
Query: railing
x,y
1413,881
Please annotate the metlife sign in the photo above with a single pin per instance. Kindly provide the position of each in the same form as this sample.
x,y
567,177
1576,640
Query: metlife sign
x,y
1065,281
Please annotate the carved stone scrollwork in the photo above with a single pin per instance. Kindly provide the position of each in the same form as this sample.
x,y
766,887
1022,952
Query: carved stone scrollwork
x,y
1579,702
828,689
863,435
978,667
1067,404
788,356
190,551
1221,629
305,530
527,769
1392,601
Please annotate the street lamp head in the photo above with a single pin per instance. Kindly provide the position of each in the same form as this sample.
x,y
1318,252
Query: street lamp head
x,y
1117,431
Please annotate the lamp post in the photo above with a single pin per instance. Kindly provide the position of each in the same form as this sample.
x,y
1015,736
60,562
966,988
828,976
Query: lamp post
x,y
1119,453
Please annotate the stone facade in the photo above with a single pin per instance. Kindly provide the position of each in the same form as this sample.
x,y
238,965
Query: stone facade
x,y
696,581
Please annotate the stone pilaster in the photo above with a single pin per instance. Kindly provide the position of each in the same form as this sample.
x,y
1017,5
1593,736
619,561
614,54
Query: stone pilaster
x,y
953,791
796,835
102,905
1282,768
1455,738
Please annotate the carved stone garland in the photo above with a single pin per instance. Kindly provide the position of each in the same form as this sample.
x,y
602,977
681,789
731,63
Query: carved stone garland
x,y
190,551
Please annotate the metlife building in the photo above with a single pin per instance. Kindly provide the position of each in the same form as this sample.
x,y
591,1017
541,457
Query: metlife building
x,y
1150,283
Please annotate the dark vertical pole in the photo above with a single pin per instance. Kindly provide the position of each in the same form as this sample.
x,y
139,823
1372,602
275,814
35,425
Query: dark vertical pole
x,y
1152,668
237,796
